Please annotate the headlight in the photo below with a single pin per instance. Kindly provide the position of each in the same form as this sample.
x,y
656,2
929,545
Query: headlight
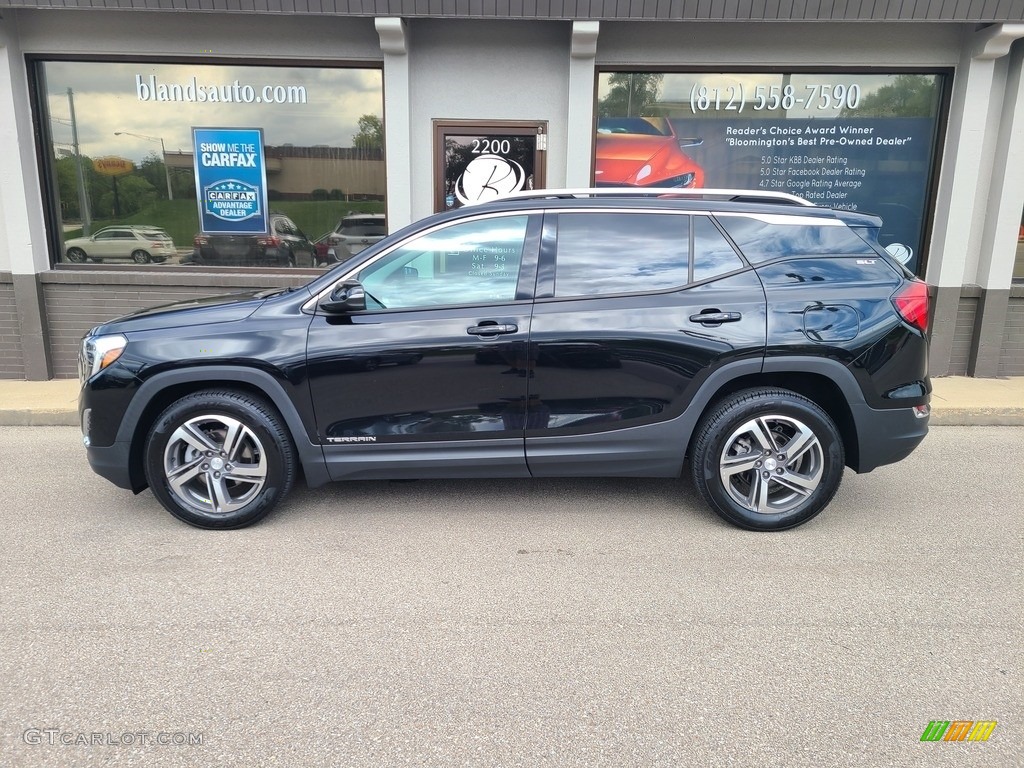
x,y
677,181
97,353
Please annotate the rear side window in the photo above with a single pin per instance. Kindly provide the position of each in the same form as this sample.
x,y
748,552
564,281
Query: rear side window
x,y
778,237
712,254
608,253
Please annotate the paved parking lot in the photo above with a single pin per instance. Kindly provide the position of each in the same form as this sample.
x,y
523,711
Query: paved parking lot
x,y
513,623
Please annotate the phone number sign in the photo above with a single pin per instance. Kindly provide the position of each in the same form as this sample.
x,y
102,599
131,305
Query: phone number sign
x,y
231,179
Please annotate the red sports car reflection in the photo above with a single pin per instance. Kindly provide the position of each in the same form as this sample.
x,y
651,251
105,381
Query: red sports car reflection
x,y
644,152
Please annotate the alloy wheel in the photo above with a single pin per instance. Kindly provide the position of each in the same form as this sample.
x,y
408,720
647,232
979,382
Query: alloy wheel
x,y
214,464
771,464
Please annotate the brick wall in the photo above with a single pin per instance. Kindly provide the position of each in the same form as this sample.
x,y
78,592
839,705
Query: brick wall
x,y
12,363
77,300
962,334
1011,356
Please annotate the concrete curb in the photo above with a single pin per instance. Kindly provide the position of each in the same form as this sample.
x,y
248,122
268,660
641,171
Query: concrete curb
x,y
977,417
39,418
957,401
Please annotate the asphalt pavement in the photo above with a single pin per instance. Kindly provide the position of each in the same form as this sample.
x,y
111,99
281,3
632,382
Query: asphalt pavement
x,y
601,622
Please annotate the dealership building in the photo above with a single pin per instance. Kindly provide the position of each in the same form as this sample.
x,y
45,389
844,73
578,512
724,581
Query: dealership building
x,y
138,120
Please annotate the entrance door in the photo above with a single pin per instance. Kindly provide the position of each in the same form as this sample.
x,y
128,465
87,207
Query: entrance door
x,y
476,162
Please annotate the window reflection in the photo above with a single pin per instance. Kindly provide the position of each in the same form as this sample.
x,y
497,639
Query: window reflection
x,y
120,156
712,254
467,263
605,253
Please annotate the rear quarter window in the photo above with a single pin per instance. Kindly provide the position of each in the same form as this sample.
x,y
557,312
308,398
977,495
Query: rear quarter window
x,y
769,238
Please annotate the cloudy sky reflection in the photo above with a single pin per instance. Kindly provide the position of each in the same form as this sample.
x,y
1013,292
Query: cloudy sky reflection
x,y
107,99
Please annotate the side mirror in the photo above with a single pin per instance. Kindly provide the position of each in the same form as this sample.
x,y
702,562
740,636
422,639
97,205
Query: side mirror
x,y
347,297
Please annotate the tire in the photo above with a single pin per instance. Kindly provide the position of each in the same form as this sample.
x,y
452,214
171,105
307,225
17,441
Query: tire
x,y
76,256
140,257
203,481
741,466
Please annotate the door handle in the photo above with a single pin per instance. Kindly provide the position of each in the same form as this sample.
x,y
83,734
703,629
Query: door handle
x,y
714,317
491,328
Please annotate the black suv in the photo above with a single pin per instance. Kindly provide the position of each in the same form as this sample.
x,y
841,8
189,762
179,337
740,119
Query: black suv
x,y
551,333
284,246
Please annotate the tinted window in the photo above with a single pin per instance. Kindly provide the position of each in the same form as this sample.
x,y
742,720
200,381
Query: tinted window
x,y
473,262
602,253
712,254
783,236
362,228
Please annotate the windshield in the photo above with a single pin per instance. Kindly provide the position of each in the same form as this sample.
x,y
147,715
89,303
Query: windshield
x,y
644,126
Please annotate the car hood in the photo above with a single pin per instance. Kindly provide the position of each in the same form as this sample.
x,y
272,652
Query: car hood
x,y
620,163
631,146
213,309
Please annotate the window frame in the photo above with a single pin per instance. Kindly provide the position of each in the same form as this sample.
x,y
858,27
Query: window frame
x,y
549,254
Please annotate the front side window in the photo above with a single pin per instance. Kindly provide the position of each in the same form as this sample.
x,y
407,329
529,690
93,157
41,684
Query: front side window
x,y
472,262
609,253
123,141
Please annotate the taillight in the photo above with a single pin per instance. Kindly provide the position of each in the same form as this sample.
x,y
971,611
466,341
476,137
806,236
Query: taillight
x,y
911,302
273,242
197,240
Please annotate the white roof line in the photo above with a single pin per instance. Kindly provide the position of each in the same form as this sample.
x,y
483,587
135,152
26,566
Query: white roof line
x,y
539,194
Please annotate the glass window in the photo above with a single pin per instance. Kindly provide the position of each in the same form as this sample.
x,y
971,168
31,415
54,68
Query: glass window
x,y
857,140
712,254
607,253
120,151
761,240
472,262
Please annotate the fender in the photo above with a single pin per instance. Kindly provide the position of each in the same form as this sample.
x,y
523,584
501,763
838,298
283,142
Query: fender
x,y
311,455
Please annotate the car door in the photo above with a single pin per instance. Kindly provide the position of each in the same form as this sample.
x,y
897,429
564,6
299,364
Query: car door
x,y
107,244
625,328
302,247
431,379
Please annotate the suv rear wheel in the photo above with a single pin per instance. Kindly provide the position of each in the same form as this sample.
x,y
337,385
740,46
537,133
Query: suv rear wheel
x,y
767,459
219,459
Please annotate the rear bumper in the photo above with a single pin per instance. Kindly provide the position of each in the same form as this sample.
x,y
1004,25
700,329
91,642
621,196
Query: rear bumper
x,y
885,436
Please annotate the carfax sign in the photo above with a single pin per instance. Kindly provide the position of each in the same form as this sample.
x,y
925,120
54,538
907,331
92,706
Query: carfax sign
x,y
231,180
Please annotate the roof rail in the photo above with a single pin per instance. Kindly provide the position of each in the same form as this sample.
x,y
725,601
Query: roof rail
x,y
752,195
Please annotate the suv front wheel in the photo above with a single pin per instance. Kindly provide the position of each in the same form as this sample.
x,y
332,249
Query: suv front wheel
x,y
767,459
219,459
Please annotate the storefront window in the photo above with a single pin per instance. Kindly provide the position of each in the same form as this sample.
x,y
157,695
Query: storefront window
x,y
1018,263
217,165
862,142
